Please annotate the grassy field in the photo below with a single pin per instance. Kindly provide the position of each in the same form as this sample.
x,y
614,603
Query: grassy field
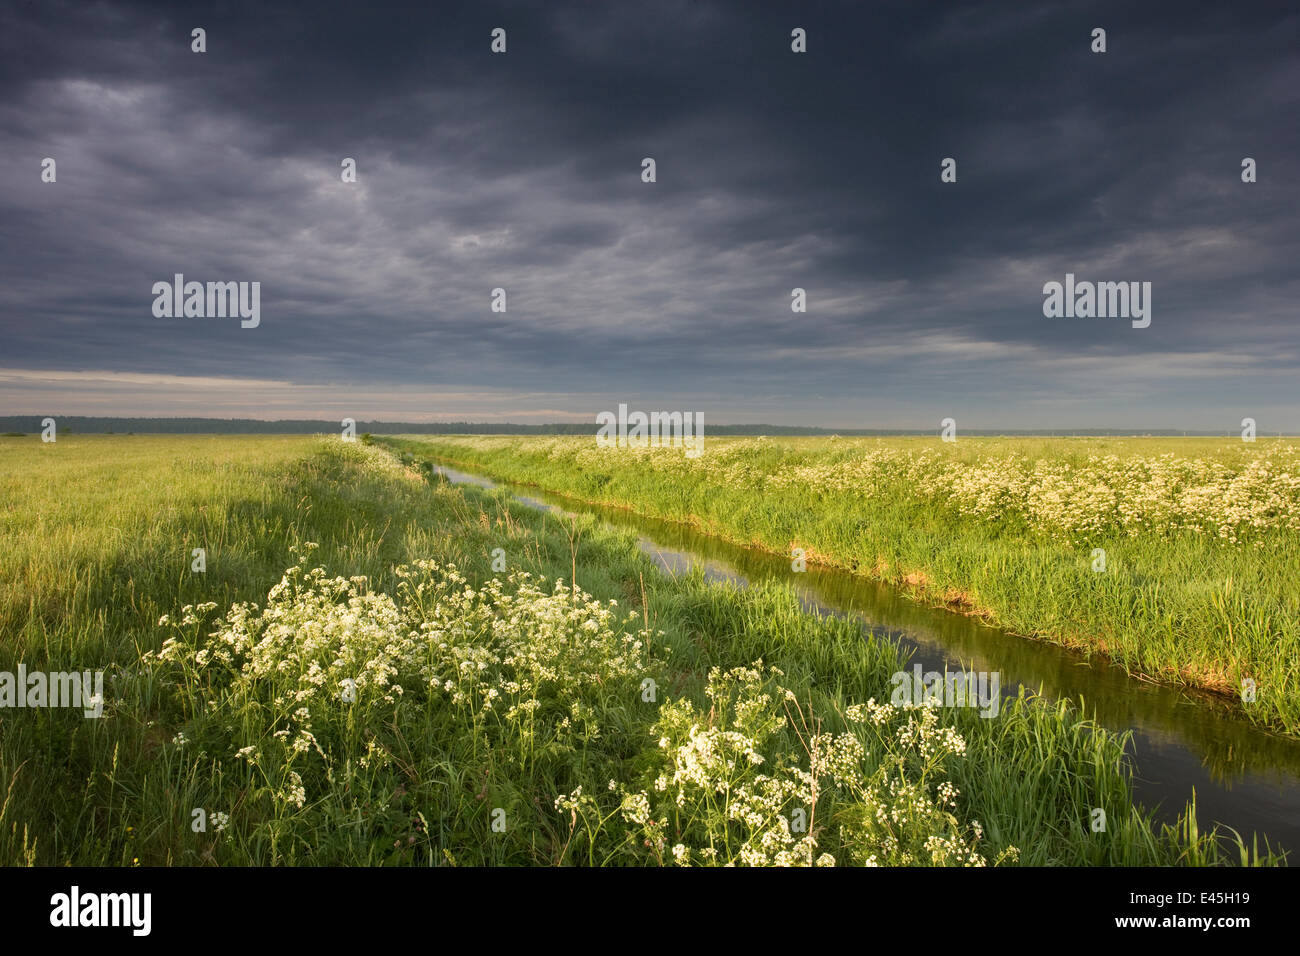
x,y
1177,557
391,698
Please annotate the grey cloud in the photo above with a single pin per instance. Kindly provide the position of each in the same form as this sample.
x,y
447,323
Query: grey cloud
x,y
775,171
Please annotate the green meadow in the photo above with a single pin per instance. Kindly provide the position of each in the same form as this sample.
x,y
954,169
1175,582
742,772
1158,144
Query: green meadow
x,y
379,669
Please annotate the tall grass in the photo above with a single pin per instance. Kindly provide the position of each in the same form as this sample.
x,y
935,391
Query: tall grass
x,y
342,717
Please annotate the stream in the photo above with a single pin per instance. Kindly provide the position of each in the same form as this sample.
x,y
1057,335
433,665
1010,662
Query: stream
x,y
1183,741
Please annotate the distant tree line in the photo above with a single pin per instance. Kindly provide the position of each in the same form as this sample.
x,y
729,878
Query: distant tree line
x,y
80,424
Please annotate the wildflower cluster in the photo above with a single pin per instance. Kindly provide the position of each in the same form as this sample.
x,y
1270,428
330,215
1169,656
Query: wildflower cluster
x,y
311,703
727,789
1236,495
322,678
1233,500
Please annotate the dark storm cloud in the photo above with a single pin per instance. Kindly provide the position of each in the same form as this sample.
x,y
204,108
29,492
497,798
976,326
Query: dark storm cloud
x,y
775,170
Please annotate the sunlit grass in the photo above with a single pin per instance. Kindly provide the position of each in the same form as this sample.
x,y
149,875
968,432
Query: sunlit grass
x,y
242,716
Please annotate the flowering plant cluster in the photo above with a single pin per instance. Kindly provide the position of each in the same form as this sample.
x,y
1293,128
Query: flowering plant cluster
x,y
1234,501
1237,495
725,790
314,699
322,685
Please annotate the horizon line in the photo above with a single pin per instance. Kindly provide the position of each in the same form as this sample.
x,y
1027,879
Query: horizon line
x,y
13,424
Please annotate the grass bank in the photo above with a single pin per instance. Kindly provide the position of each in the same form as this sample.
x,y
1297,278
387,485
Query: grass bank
x,y
373,669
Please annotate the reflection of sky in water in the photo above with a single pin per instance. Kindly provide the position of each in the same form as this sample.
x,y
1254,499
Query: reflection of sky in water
x,y
1182,740
679,562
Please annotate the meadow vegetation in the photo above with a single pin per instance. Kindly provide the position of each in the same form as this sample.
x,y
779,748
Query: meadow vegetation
x,y
350,682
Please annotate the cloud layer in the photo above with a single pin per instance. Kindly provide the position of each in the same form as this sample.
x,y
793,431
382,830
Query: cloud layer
x,y
775,170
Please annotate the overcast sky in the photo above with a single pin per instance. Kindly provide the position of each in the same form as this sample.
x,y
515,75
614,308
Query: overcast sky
x,y
775,170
